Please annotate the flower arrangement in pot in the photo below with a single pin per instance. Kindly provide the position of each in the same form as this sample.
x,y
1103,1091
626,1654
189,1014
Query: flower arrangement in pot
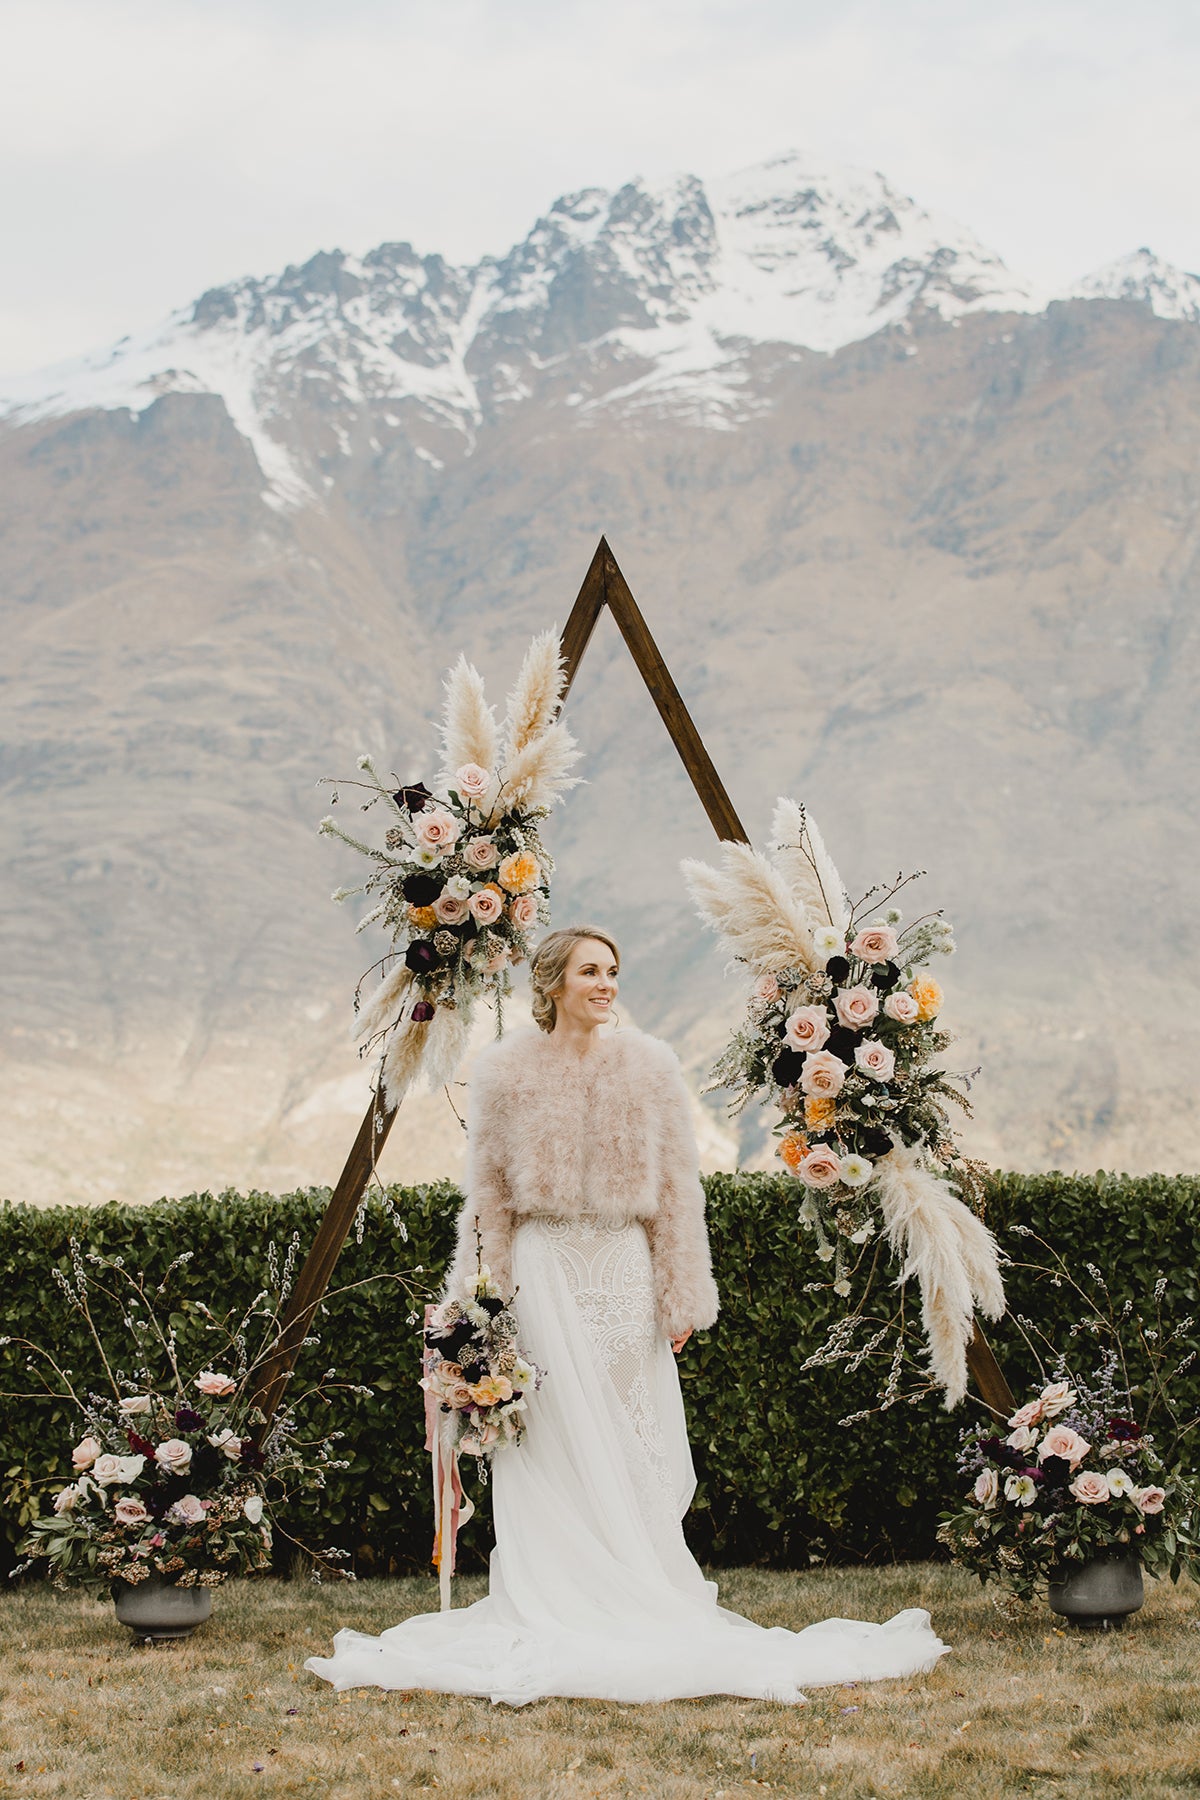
x,y
1078,1495
178,1478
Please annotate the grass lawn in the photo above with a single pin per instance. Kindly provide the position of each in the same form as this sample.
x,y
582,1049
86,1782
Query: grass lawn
x,y
1019,1708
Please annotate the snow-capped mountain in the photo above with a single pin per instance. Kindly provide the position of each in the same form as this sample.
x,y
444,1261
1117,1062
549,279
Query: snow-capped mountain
x,y
663,287
1170,293
658,296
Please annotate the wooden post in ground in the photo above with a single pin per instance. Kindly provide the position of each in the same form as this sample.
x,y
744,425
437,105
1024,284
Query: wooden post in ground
x,y
603,585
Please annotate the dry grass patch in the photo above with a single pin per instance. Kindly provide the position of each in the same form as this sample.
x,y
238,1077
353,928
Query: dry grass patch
x,y
1019,1708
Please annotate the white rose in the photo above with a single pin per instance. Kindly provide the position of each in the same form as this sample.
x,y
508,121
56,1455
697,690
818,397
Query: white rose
x,y
1023,1438
471,782
106,1469
459,887
174,1456
227,1443
987,1488
253,1508
136,1403
129,1468
1058,1398
66,1500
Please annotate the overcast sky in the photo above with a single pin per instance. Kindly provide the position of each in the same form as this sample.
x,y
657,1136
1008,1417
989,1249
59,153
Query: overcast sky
x,y
153,148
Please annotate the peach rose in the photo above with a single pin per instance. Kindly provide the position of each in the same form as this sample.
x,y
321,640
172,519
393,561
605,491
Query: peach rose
x,y
901,1007
481,853
875,944
1029,1414
1150,1499
807,1028
188,1510
435,829
820,1168
217,1385
1060,1440
856,1006
523,911
1091,1487
1059,1397
792,1149
766,989
85,1452
927,994
449,909
823,1073
875,1059
471,782
820,1111
130,1511
520,872
486,906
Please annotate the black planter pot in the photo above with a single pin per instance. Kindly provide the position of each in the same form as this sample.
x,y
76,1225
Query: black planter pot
x,y
1100,1594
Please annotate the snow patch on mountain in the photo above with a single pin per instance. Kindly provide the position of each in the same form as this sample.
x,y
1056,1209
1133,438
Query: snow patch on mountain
x,y
1169,292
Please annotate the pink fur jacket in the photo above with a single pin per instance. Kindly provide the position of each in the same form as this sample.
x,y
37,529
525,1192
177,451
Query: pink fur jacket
x,y
607,1132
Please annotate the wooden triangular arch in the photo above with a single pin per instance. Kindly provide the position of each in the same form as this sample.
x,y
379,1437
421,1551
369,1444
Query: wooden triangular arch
x,y
603,585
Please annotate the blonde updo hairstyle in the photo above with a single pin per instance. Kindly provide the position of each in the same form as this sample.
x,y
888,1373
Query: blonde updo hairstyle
x,y
549,967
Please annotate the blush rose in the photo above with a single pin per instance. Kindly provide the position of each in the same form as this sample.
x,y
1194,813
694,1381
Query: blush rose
x,y
807,1028
823,1073
875,944
856,1006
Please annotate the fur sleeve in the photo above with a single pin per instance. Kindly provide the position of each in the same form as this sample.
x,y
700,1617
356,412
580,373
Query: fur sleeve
x,y
487,1204
683,1278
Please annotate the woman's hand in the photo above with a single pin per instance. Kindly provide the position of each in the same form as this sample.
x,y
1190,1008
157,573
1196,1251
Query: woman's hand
x,y
678,1342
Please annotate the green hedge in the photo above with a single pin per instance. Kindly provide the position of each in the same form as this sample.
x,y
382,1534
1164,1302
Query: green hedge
x,y
779,1480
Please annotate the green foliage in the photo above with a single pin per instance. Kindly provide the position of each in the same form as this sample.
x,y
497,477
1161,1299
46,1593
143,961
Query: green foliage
x,y
780,1481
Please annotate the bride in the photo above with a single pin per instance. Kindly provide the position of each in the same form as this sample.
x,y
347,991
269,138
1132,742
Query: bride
x,y
582,1183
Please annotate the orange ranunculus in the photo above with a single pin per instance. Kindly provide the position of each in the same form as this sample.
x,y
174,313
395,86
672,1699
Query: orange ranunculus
x,y
820,1110
792,1148
520,872
423,917
491,1390
927,994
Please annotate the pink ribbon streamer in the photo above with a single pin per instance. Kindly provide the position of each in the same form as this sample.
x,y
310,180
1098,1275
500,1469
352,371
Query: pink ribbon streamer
x,y
451,1507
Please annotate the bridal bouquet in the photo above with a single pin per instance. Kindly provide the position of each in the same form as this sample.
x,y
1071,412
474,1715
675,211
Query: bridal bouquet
x,y
462,879
474,1369
1075,1476
841,1035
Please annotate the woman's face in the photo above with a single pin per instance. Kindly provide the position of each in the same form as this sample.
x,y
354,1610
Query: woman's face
x,y
589,985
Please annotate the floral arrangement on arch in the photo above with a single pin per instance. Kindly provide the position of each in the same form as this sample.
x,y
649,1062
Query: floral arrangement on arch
x,y
1089,1464
176,1473
841,1035
462,880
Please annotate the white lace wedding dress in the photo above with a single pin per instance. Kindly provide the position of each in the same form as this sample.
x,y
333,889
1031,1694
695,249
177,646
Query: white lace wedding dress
x,y
593,1591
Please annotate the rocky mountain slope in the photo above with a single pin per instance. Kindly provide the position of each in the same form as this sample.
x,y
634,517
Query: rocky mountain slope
x,y
919,545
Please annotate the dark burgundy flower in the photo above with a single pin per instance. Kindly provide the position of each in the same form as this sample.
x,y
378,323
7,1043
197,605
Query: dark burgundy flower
x,y
187,1419
1056,1471
423,1011
1125,1431
139,1445
874,1142
252,1456
786,1067
843,1040
837,968
885,975
1034,1474
421,889
421,956
413,799
490,1304
473,1372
